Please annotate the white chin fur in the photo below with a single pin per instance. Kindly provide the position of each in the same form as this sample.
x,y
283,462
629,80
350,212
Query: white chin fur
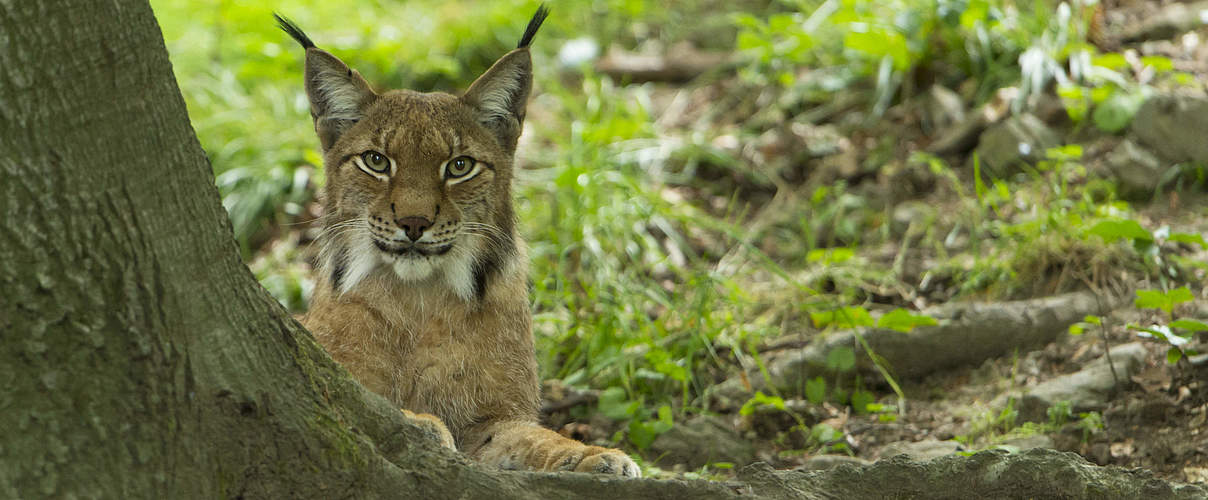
x,y
414,268
364,259
454,269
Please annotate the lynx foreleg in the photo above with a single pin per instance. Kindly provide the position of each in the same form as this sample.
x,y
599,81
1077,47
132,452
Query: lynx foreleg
x,y
525,445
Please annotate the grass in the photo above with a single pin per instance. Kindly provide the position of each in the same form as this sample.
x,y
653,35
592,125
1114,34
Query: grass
x,y
661,259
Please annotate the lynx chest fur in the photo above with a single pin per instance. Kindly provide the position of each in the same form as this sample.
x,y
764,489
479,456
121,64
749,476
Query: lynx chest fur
x,y
422,289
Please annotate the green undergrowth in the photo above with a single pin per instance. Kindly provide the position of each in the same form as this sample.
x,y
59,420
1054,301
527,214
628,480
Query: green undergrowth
x,y
661,262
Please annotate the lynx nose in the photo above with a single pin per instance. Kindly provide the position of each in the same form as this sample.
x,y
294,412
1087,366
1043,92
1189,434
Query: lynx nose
x,y
413,226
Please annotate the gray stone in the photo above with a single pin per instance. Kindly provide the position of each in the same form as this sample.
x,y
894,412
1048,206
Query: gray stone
x,y
1173,19
701,440
921,450
1021,139
1028,442
1136,169
968,333
825,462
945,108
1173,127
1088,389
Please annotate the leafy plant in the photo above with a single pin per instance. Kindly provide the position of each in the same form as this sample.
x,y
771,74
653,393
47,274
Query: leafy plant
x,y
1175,331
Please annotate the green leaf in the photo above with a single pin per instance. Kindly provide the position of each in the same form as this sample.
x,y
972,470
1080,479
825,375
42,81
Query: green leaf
x,y
1158,63
1180,295
1115,229
612,404
847,317
824,433
1117,111
860,399
830,255
841,359
1173,355
1157,299
641,434
760,399
1110,60
1190,325
1076,329
1152,299
903,321
1189,238
665,422
815,390
1092,319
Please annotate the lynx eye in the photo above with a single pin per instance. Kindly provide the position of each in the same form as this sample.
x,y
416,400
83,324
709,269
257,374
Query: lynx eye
x,y
375,161
459,167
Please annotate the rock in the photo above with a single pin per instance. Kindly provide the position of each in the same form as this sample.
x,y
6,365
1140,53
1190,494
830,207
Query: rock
x,y
962,136
944,108
1173,127
1087,390
1137,170
910,212
701,440
1036,473
824,462
1173,19
921,450
968,334
1028,442
1019,139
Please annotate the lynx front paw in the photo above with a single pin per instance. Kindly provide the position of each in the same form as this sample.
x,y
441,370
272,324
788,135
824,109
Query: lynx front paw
x,y
433,427
609,461
597,460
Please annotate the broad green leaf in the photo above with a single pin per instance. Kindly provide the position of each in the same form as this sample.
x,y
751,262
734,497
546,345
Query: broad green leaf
x,y
1190,325
1117,111
1115,229
1157,299
1180,295
1076,329
641,434
1173,355
847,317
1151,299
903,321
665,422
1189,238
841,359
1111,60
612,404
1158,63
860,400
760,399
815,390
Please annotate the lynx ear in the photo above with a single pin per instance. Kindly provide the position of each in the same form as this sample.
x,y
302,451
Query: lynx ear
x,y
338,94
501,93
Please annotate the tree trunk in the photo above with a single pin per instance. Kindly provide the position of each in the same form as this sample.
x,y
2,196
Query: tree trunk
x,y
138,356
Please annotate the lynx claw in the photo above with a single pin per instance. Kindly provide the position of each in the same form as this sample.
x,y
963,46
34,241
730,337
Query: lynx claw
x,y
609,461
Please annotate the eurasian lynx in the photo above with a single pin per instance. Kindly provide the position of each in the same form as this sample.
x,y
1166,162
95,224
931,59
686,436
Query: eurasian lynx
x,y
422,292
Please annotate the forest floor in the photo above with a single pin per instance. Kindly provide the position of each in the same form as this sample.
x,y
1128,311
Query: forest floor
x,y
908,207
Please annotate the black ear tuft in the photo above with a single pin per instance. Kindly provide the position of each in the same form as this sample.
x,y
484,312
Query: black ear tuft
x,y
533,25
294,31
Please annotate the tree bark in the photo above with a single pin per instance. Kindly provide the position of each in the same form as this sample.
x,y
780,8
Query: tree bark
x,y
139,358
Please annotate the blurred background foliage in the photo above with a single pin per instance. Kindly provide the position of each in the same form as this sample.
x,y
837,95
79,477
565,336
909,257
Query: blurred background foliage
x,y
672,231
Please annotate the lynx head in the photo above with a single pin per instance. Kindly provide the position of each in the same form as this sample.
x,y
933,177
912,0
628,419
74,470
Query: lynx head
x,y
418,184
